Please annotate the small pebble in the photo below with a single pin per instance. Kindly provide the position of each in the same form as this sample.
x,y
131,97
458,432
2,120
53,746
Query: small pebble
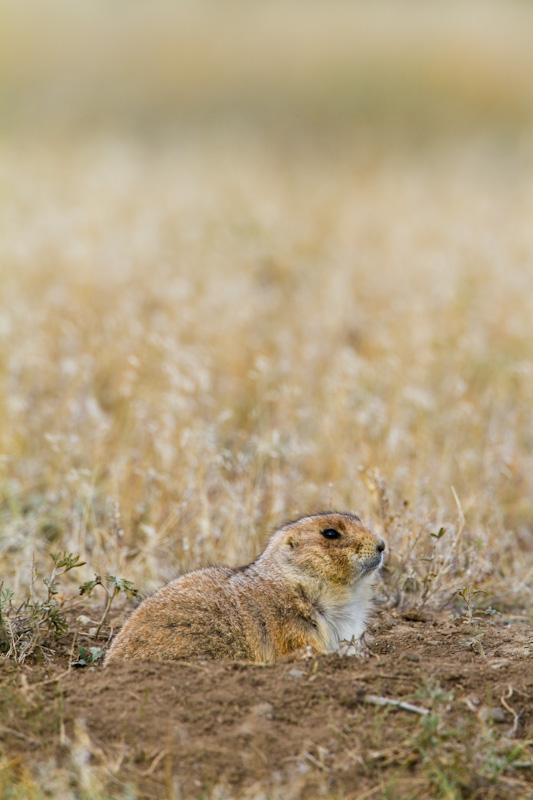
x,y
264,710
411,657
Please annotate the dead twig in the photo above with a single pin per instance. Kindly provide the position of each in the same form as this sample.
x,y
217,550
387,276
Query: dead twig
x,y
317,763
19,735
516,715
71,656
387,701
52,680
145,773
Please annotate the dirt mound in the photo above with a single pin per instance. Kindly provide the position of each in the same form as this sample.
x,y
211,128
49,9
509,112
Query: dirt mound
x,y
301,728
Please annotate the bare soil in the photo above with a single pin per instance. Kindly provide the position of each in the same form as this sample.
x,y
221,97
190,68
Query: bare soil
x,y
301,728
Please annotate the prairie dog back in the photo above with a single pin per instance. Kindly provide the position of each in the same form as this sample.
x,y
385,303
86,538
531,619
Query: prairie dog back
x,y
311,587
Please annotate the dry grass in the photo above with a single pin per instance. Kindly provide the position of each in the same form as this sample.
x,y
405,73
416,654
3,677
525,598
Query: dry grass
x,y
201,340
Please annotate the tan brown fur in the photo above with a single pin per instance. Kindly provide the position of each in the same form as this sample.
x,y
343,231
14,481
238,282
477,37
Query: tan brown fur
x,y
304,590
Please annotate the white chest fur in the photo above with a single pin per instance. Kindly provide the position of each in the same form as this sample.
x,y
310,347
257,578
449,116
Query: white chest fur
x,y
343,617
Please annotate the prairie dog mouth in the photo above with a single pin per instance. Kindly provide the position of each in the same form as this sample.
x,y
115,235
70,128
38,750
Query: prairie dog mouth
x,y
373,563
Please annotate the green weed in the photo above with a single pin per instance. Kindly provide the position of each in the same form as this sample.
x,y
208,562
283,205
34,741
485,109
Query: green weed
x,y
112,587
88,656
24,629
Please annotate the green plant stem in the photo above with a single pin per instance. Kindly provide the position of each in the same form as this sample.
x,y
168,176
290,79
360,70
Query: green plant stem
x,y
110,597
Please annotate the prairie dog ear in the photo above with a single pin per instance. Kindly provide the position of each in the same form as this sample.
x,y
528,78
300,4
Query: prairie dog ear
x,y
292,541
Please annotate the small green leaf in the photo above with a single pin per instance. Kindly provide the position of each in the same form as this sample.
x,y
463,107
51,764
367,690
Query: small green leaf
x,y
6,597
88,657
122,585
96,654
86,588
67,560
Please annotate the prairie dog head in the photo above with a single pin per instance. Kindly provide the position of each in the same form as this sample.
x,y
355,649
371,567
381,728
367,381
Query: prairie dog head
x,y
331,547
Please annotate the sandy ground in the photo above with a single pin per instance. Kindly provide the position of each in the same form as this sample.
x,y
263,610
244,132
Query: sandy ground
x,y
301,728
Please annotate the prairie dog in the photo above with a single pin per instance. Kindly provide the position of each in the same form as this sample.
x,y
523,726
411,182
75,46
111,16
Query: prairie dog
x,y
311,587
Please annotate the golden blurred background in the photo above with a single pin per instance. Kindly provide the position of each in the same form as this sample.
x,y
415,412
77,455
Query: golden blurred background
x,y
262,259
411,68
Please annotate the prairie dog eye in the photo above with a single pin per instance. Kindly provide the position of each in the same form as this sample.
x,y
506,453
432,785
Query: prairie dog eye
x,y
330,533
